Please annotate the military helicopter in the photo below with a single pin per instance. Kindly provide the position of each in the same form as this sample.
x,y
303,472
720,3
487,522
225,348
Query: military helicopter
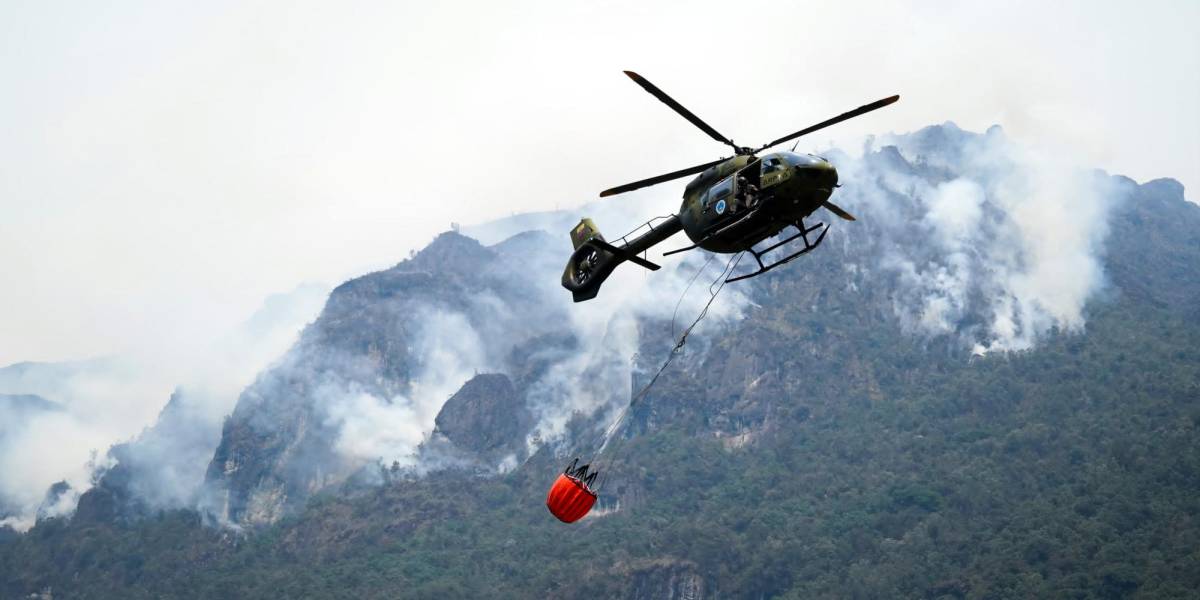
x,y
732,206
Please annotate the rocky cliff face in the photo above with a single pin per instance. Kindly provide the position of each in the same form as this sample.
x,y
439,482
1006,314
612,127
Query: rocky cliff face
x,y
1156,224
665,578
485,416
939,210
921,408
464,346
395,343
161,469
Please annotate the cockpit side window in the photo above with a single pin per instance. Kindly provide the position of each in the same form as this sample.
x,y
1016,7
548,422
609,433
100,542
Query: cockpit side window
x,y
770,165
721,190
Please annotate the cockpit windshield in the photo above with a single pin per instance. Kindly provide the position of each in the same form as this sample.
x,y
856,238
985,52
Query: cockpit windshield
x,y
800,160
772,164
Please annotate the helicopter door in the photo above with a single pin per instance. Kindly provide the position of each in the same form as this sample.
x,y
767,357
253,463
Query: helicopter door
x,y
747,183
752,173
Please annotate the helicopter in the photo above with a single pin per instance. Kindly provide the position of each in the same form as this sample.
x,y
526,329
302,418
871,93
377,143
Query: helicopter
x,y
733,205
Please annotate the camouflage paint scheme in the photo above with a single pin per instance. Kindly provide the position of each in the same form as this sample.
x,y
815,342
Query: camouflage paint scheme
x,y
729,207
790,187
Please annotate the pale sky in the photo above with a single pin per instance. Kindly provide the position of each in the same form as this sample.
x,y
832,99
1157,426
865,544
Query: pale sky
x,y
167,165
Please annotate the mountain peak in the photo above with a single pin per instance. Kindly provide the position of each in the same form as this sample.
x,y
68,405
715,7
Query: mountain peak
x,y
449,248
1165,187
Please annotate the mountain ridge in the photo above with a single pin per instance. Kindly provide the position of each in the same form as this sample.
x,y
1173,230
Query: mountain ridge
x,y
823,438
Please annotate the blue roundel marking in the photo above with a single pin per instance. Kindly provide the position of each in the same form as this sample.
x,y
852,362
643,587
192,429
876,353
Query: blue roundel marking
x,y
720,207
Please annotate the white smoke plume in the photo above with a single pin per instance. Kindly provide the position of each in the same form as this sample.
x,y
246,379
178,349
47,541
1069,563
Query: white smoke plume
x,y
95,404
989,240
449,351
38,451
600,375
451,346
983,240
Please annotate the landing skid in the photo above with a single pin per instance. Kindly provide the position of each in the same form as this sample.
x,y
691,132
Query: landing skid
x,y
801,233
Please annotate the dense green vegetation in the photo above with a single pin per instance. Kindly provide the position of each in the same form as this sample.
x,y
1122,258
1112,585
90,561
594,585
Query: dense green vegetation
x,y
815,450
1071,471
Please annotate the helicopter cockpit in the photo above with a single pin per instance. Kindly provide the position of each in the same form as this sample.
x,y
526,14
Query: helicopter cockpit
x,y
772,164
810,166
780,160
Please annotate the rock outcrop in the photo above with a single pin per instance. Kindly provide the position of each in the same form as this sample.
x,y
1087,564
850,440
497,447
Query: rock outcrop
x,y
375,336
486,416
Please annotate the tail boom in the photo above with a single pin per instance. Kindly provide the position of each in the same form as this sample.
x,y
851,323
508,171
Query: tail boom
x,y
594,259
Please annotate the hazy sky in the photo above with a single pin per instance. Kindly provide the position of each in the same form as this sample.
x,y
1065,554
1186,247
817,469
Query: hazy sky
x,y
168,165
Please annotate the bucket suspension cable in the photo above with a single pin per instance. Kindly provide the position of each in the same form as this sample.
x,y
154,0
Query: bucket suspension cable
x,y
714,289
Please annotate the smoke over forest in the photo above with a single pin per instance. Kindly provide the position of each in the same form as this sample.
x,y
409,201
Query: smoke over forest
x,y
982,241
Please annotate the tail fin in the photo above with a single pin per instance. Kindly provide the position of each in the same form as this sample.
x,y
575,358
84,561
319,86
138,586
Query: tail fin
x,y
584,231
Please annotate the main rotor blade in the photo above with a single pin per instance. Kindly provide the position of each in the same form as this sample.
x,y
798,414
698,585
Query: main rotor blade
x,y
621,189
677,107
837,210
864,109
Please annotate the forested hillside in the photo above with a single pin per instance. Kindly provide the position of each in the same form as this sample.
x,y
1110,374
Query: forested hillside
x,y
820,444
